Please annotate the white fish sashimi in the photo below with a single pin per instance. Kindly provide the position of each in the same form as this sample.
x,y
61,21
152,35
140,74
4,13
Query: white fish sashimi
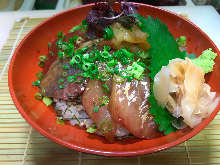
x,y
180,87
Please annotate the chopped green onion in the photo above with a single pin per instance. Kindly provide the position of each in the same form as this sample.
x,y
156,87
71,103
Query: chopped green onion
x,y
124,61
36,83
84,23
61,86
41,64
65,67
110,70
47,101
73,39
181,41
112,63
86,66
136,70
42,58
72,62
108,33
84,49
60,122
96,108
75,28
61,55
116,69
83,30
39,75
61,80
64,46
105,126
94,73
38,96
79,40
75,60
64,74
107,48
144,55
73,78
105,54
60,34
127,53
59,44
91,129
104,100
69,51
49,44
105,88
85,57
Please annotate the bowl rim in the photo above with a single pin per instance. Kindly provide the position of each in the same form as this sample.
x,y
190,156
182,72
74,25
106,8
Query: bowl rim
x,y
101,152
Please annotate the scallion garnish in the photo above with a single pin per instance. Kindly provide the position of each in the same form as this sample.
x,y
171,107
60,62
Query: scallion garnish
x,y
61,86
96,108
105,88
91,129
47,101
60,34
73,39
105,54
84,49
61,80
86,66
181,41
64,74
75,28
41,64
36,83
66,67
38,96
49,44
112,63
104,100
60,122
79,40
39,75
75,60
59,44
136,70
61,55
108,33
144,55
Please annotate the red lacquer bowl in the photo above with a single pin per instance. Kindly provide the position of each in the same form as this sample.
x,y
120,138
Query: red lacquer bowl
x,y
24,66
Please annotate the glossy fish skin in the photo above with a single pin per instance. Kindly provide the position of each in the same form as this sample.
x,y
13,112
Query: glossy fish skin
x,y
91,97
129,107
53,72
50,83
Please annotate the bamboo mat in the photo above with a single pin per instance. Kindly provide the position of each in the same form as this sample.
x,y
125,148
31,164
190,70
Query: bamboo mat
x,y
22,145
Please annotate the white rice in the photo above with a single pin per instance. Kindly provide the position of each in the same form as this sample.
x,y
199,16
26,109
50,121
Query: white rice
x,y
77,115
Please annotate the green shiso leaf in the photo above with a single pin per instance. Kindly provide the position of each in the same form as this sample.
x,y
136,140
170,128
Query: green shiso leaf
x,y
163,48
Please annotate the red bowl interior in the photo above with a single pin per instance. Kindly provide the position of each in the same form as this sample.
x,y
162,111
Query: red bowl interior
x,y
24,66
